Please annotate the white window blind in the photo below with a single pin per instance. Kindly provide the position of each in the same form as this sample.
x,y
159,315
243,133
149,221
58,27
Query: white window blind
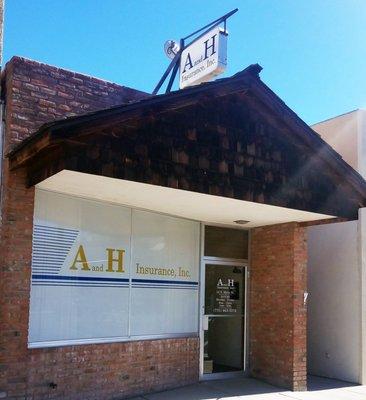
x,y
104,272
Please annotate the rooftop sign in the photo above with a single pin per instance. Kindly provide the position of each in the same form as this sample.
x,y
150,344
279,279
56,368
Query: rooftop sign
x,y
204,59
201,59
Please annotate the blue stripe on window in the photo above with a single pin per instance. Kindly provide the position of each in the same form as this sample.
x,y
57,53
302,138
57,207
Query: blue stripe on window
x,y
46,227
78,278
79,285
164,281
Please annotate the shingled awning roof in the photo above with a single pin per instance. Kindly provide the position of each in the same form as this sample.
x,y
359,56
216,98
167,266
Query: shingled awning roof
x,y
246,83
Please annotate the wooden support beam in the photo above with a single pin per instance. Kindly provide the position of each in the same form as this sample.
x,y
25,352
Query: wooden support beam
x,y
27,152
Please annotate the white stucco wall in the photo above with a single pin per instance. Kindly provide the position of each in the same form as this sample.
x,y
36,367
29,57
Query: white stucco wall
x,y
362,258
334,305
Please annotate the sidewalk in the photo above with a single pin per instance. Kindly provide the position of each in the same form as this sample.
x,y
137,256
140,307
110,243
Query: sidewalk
x,y
251,389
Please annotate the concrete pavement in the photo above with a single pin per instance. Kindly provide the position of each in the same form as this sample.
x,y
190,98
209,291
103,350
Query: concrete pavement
x,y
251,389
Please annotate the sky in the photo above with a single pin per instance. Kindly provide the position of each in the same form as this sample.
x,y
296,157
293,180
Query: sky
x,y
313,52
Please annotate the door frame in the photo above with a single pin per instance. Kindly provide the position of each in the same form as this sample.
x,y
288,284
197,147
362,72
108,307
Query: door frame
x,y
229,262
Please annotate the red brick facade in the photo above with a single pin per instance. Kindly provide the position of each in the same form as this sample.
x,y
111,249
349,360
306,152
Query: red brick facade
x,y
35,93
277,312
102,371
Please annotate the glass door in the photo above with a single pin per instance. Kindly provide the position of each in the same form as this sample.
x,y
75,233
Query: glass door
x,y
223,319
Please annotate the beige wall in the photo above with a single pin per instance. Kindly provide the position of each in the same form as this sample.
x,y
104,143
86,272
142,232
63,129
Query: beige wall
x,y
337,265
341,133
334,306
347,135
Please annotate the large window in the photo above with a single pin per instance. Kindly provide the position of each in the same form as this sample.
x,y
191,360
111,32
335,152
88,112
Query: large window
x,y
102,272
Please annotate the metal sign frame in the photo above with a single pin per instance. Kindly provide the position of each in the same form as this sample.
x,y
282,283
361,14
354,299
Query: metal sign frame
x,y
174,65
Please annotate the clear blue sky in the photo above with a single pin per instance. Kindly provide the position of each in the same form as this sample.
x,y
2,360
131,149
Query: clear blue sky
x,y
313,51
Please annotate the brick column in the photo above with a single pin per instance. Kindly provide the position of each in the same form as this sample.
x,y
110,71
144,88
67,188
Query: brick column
x,y
15,272
277,312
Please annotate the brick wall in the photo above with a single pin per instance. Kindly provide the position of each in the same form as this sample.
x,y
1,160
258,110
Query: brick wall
x,y
277,311
34,94
105,371
37,93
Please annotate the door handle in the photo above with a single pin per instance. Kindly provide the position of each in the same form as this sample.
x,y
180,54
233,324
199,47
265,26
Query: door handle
x,y
205,322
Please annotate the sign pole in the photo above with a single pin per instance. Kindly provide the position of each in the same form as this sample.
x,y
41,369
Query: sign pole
x,y
175,61
175,69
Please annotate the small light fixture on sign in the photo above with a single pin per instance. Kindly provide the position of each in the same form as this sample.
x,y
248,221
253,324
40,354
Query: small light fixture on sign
x,y
171,48
241,222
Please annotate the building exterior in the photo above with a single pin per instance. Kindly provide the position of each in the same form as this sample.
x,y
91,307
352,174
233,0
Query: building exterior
x,y
346,134
336,266
149,242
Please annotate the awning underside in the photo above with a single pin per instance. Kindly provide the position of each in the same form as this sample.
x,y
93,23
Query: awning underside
x,y
181,203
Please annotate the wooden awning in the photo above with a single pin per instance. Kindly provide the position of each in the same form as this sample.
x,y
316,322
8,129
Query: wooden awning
x,y
233,137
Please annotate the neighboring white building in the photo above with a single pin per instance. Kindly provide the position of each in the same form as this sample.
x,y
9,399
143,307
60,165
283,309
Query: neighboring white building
x,y
346,133
336,270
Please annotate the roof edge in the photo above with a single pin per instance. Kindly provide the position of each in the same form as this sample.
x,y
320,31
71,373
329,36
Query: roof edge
x,y
252,71
35,63
336,116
